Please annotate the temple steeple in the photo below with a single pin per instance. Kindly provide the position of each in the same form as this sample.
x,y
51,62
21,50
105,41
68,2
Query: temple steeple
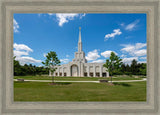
x,y
80,55
80,41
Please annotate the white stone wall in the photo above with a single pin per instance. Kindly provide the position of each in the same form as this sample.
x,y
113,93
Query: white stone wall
x,y
82,68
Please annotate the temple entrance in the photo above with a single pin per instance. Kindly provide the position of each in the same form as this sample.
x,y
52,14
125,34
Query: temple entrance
x,y
97,74
103,74
91,74
74,70
85,74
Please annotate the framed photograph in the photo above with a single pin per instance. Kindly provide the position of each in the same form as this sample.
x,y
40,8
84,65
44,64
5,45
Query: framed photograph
x,y
79,57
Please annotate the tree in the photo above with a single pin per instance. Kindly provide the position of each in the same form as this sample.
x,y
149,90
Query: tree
x,y
17,67
134,67
113,64
143,69
123,68
51,61
128,70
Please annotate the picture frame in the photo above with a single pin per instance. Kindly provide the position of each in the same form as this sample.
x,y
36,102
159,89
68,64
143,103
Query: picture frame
x,y
9,7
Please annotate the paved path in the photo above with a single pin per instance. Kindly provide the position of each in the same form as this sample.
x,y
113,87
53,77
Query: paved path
x,y
144,79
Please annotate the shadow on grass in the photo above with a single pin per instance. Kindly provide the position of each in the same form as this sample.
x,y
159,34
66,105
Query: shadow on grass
x,y
122,84
55,83
21,81
60,83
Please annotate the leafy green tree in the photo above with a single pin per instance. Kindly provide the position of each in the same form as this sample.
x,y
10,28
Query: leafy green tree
x,y
51,61
113,64
17,67
143,69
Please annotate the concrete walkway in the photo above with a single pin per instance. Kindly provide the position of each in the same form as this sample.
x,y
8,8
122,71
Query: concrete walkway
x,y
144,79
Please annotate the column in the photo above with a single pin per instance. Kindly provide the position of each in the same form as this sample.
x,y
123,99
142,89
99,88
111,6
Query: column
x,y
62,71
88,71
82,70
58,71
79,69
100,71
94,71
68,71
107,74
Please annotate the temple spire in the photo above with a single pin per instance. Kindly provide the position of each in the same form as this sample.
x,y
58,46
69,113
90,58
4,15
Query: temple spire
x,y
79,34
79,42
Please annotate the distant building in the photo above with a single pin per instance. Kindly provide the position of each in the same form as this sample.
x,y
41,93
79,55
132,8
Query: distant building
x,y
79,66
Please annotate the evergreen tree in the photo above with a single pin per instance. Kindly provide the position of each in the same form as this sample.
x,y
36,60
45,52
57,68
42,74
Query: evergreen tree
x,y
134,67
128,70
123,68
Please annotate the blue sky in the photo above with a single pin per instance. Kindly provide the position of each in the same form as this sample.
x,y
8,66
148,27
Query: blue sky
x,y
37,34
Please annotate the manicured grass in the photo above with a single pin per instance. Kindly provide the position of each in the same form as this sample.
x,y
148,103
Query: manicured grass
x,y
75,78
42,91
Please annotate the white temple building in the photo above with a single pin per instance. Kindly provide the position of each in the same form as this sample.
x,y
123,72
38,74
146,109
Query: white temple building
x,y
79,66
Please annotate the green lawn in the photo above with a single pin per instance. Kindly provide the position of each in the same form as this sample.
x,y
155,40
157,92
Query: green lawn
x,y
75,78
41,91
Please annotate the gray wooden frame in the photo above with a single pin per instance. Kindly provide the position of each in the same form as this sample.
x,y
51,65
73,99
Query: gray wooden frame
x,y
150,7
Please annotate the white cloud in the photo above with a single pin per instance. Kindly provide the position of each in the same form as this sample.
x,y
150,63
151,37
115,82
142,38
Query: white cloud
x,y
65,17
21,51
129,60
140,45
122,56
64,60
25,59
51,14
122,24
22,47
44,54
142,62
92,55
112,35
128,48
143,57
135,50
67,55
98,61
140,52
107,53
132,25
15,26
82,15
